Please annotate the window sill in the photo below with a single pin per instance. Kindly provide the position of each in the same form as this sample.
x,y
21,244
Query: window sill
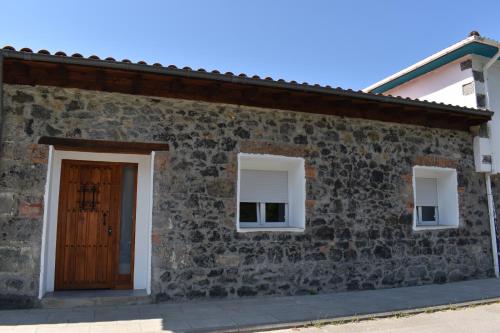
x,y
434,227
279,229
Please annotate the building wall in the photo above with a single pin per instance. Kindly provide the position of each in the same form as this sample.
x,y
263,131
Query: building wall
x,y
443,85
448,84
359,196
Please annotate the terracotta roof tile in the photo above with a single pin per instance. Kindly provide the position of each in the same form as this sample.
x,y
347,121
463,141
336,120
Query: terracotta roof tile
x,y
242,75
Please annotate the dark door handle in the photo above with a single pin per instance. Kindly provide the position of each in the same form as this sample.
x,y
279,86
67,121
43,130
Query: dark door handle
x,y
104,218
110,230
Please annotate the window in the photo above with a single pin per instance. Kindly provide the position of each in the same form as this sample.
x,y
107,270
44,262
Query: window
x,y
271,193
263,198
435,197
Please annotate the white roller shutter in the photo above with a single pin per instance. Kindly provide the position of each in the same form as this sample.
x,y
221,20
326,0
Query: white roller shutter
x,y
263,186
426,192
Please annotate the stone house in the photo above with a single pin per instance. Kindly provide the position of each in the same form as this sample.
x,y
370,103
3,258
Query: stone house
x,y
467,74
184,184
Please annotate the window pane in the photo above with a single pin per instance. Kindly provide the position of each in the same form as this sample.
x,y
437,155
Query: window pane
x,y
248,212
127,218
428,214
275,212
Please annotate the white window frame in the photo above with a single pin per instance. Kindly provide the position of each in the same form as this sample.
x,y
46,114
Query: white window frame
x,y
294,208
447,211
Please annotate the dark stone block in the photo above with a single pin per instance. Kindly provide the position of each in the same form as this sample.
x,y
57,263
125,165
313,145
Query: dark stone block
x,y
22,97
75,105
350,254
220,158
199,155
315,256
242,133
293,254
300,140
210,172
336,254
377,176
382,252
325,233
218,291
215,272
166,276
39,112
196,294
246,291
52,131
221,188
28,127
353,285
162,297
205,143
367,286
196,236
204,260
316,222
455,276
332,136
275,254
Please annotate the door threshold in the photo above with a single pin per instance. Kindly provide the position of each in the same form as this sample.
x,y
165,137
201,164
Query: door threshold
x,y
84,293
82,298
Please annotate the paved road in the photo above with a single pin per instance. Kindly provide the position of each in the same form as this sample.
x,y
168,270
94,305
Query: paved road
x,y
483,319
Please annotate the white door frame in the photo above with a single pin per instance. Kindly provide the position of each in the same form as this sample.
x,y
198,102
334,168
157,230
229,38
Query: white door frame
x,y
142,255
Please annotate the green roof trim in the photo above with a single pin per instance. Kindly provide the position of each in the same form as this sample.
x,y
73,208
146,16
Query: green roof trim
x,y
472,48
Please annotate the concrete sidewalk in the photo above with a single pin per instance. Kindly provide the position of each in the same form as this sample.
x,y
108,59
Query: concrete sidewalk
x,y
250,314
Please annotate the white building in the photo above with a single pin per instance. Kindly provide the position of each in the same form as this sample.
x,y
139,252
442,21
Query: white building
x,y
467,74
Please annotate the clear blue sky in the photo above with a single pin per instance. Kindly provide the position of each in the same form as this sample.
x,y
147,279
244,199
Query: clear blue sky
x,y
342,43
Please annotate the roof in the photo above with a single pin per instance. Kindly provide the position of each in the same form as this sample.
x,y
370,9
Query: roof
x,y
474,44
58,69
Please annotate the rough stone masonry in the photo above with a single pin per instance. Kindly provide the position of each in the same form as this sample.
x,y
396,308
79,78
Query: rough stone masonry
x,y
359,196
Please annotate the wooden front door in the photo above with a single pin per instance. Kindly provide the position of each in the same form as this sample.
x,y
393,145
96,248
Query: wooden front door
x,y
88,227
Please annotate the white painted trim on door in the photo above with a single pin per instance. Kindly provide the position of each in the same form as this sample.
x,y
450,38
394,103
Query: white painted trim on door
x,y
150,216
142,255
43,250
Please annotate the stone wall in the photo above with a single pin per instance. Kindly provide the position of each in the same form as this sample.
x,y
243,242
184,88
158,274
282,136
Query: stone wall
x,y
359,196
